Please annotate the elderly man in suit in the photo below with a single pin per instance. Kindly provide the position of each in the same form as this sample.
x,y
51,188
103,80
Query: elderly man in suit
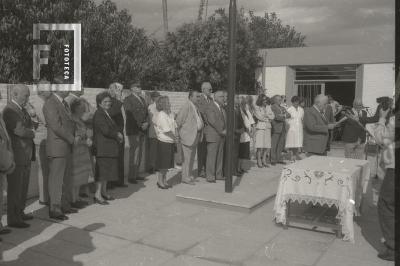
x,y
7,165
136,125
215,132
20,128
60,138
279,130
204,99
316,127
190,126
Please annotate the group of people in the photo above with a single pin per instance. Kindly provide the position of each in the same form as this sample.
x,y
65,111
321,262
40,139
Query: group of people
x,y
86,145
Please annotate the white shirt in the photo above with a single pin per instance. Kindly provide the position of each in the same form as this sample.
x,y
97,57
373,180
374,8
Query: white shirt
x,y
198,119
164,123
17,104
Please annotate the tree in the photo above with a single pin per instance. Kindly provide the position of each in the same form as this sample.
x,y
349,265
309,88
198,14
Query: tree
x,y
269,32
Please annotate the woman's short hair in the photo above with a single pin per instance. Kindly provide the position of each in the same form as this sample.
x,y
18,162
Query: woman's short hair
x,y
295,99
161,103
101,96
260,99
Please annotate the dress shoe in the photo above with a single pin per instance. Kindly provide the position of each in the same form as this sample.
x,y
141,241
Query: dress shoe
x,y
202,174
281,162
132,181
387,255
4,231
26,217
70,210
58,216
161,186
188,181
121,185
211,180
19,225
107,197
77,205
84,195
101,202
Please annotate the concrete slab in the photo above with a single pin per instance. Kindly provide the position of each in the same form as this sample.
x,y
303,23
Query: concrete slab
x,y
190,261
250,192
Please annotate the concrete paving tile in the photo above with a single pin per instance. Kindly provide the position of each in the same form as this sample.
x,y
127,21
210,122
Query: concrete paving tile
x,y
176,237
224,248
190,261
133,255
265,261
261,219
298,235
31,258
249,234
179,210
334,260
127,232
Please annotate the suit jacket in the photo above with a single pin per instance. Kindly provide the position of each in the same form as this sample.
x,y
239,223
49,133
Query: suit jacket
x,y
6,154
20,129
215,120
60,128
116,114
105,135
136,114
187,123
352,131
279,123
329,114
316,134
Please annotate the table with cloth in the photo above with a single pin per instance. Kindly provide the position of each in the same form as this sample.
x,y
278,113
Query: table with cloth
x,y
338,182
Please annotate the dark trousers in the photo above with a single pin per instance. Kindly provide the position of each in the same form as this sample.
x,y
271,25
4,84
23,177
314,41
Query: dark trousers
x,y
135,155
201,155
152,154
17,191
386,207
215,157
277,146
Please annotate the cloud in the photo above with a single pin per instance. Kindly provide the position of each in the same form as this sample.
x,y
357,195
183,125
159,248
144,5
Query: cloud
x,y
324,22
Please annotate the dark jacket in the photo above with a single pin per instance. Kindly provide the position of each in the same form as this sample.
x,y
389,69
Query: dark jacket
x,y
20,128
136,114
116,114
352,131
215,122
279,123
316,134
105,135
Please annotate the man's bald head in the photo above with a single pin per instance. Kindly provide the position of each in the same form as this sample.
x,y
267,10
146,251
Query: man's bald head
x,y
20,94
206,88
321,101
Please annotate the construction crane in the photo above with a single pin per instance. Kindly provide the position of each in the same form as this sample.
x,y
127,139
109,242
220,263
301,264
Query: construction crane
x,y
203,6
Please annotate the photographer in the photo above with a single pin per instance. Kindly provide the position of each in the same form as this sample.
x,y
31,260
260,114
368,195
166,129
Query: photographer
x,y
384,134
354,132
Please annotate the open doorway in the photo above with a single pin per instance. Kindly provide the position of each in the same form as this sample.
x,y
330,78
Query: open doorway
x,y
342,91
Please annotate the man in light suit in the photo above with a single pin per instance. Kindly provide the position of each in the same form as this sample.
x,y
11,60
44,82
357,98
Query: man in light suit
x,y
204,100
20,128
190,126
136,125
316,127
60,138
7,165
215,132
279,130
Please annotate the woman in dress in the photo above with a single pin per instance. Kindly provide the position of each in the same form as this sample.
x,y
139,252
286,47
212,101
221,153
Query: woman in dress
x,y
107,140
294,137
81,168
262,136
166,131
245,137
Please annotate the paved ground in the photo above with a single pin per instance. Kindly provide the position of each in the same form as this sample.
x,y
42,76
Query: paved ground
x,y
146,226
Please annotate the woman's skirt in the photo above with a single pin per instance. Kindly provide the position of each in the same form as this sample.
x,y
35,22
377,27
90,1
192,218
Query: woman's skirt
x,y
262,138
244,150
165,155
106,169
81,168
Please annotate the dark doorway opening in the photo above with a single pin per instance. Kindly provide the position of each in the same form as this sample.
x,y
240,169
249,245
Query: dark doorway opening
x,y
342,91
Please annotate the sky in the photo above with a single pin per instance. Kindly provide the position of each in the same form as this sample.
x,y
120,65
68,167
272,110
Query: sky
x,y
324,22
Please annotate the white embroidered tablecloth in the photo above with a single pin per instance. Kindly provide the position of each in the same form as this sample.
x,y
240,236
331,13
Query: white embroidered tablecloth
x,y
339,182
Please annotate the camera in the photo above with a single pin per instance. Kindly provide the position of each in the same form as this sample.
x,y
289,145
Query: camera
x,y
384,102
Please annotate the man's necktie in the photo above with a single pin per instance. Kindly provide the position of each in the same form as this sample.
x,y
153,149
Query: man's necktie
x,y
66,106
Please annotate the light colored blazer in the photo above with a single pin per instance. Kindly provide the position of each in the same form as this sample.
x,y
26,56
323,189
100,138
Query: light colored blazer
x,y
187,124
60,128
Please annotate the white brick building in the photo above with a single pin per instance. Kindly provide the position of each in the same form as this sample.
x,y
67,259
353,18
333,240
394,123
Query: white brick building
x,y
345,72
